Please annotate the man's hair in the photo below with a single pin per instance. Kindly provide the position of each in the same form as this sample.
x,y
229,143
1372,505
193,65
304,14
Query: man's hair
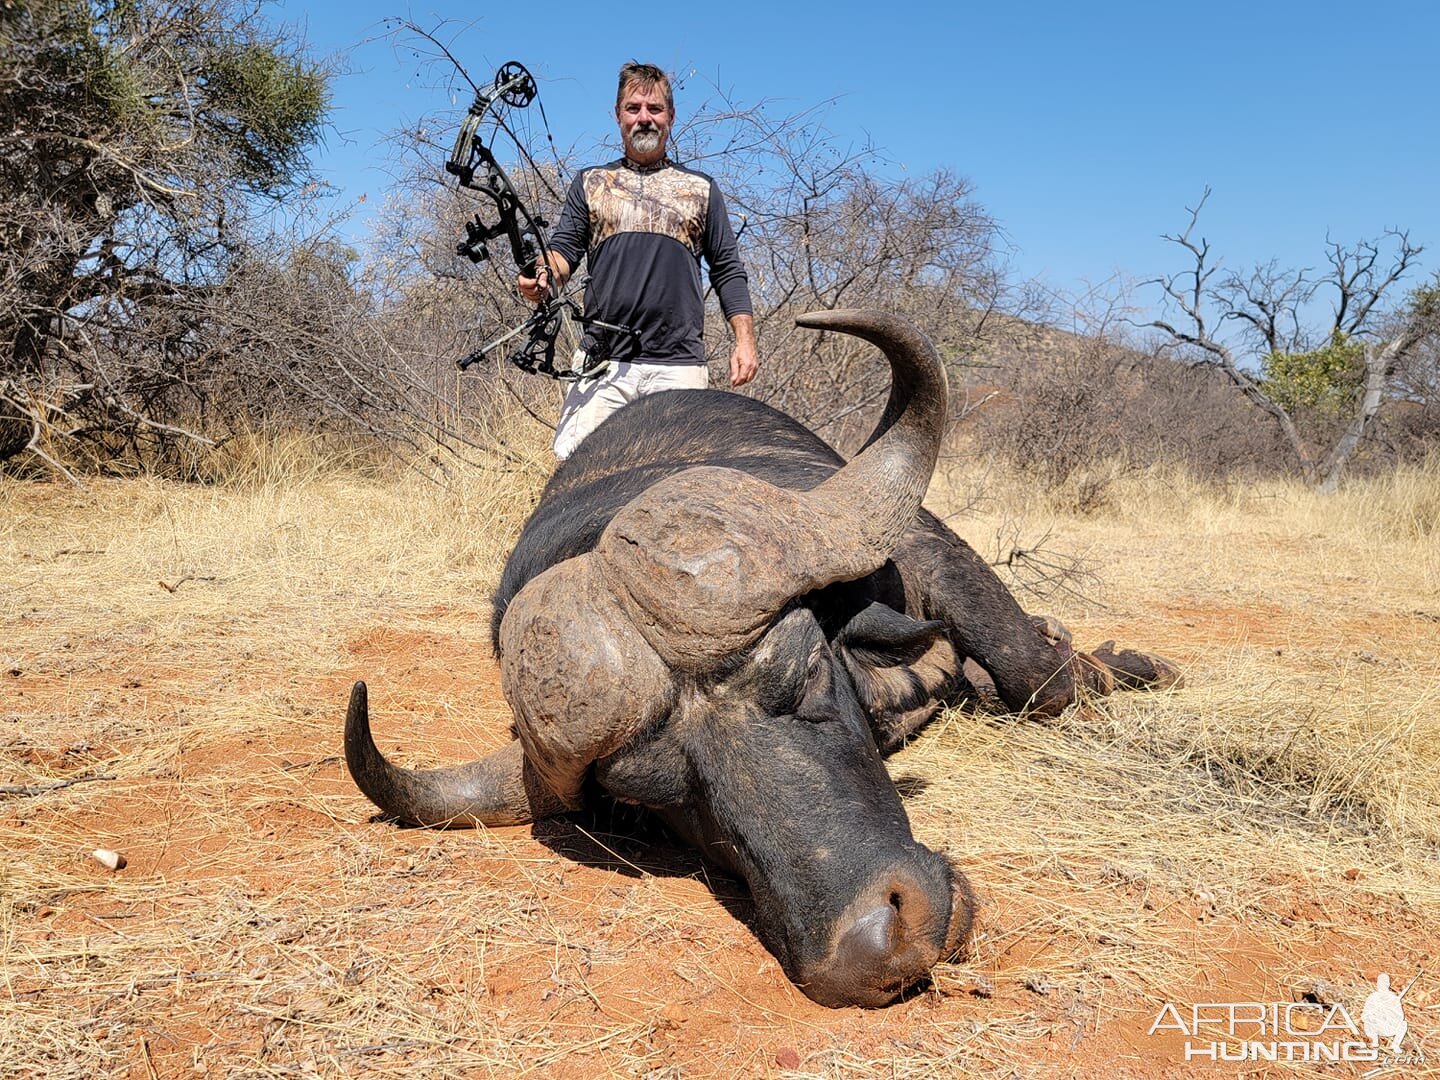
x,y
646,77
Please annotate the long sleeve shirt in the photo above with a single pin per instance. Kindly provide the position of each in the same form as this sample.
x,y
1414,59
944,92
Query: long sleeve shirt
x,y
644,232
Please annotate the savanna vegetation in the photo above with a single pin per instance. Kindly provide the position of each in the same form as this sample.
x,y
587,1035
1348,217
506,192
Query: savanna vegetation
x,y
238,470
173,279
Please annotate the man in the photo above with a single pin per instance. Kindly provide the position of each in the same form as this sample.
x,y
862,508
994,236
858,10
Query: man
x,y
644,223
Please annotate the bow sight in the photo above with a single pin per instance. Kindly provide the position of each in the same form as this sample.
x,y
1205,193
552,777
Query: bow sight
x,y
474,166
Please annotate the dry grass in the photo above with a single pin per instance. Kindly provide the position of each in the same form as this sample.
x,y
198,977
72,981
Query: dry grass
x,y
1272,823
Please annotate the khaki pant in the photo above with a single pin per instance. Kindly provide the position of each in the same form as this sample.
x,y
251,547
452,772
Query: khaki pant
x,y
589,401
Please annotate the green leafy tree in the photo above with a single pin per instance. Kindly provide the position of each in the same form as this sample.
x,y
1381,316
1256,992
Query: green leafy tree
x,y
1322,380
141,143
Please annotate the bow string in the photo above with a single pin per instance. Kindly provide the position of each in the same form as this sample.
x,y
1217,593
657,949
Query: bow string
x,y
557,325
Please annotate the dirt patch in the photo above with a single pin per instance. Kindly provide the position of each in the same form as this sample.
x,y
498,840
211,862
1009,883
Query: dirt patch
x,y
267,924
249,922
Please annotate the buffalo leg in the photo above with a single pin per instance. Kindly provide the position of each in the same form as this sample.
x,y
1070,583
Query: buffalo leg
x,y
945,579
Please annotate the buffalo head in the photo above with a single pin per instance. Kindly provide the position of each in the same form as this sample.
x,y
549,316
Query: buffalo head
x,y
682,664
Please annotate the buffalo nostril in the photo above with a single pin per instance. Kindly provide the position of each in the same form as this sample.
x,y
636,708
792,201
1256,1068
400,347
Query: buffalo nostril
x,y
892,942
868,944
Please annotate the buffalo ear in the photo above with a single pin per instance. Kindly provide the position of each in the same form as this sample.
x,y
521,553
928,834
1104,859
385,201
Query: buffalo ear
x,y
880,636
903,670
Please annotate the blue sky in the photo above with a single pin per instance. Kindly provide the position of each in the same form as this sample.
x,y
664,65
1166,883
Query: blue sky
x,y
1085,128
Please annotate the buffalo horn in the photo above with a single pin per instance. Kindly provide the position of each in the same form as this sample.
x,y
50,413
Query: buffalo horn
x,y
580,678
499,789
878,493
705,559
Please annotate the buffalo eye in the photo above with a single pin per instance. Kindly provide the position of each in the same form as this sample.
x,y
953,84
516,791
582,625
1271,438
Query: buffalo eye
x,y
825,696
793,672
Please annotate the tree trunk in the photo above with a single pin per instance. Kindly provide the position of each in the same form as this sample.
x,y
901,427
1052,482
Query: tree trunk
x,y
26,349
1225,361
1381,360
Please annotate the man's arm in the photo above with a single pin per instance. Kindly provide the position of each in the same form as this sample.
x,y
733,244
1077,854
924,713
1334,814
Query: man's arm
x,y
744,362
727,277
567,246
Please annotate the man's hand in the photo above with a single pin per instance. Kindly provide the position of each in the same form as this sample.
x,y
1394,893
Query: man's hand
x,y
533,288
537,288
744,362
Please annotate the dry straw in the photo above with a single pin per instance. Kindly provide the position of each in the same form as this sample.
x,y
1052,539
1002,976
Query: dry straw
x,y
183,652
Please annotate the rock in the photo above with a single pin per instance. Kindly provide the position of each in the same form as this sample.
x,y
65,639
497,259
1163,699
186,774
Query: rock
x,y
111,860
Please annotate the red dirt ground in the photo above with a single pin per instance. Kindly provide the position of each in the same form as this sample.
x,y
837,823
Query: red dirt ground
x,y
647,967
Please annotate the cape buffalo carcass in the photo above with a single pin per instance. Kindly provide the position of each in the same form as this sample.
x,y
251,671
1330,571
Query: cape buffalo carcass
x,y
711,614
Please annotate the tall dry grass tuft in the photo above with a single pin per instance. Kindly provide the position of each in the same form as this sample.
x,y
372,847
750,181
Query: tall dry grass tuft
x,y
1344,749
252,459
1400,505
1398,512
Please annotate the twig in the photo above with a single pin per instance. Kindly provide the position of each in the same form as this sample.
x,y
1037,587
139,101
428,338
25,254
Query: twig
x,y
149,1060
24,791
1058,861
187,577
313,764
400,1044
1044,573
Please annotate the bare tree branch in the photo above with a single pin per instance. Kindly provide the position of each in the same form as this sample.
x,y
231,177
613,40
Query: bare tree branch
x,y
1269,303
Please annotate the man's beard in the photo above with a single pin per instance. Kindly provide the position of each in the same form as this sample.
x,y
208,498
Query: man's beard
x,y
645,140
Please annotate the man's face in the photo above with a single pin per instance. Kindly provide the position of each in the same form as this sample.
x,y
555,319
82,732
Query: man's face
x,y
644,123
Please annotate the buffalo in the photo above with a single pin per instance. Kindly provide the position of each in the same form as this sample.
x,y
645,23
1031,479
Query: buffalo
x,y
711,614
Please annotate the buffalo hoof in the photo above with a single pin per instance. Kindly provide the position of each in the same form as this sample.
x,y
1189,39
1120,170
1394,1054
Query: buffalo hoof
x,y
1092,674
1130,669
1051,629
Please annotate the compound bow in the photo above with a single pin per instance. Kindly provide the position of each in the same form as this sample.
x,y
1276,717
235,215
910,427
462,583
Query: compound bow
x,y
557,316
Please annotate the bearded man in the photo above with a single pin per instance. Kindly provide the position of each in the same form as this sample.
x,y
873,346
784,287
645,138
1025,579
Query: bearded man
x,y
644,223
